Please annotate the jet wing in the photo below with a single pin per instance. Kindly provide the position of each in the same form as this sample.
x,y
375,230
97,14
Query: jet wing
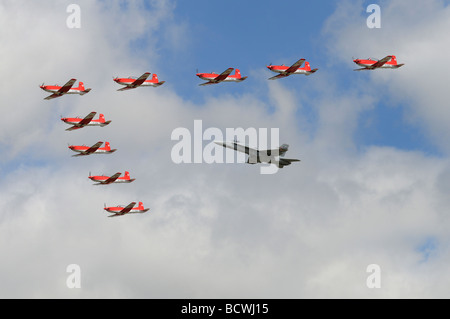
x,y
286,161
244,149
295,66
112,179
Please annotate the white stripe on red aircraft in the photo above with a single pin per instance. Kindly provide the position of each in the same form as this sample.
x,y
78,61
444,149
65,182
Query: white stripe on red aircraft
x,y
133,83
79,122
129,209
67,88
225,76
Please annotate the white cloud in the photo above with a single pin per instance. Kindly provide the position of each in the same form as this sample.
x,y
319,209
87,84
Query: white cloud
x,y
213,231
414,31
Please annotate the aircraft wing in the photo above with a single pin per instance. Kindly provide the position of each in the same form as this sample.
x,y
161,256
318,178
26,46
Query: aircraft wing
x,y
53,96
295,66
127,208
66,87
279,76
140,80
127,88
222,76
112,179
208,83
380,63
87,119
286,161
245,149
83,122
93,148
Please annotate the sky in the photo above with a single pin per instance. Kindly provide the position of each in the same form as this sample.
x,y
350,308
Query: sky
x,y
371,187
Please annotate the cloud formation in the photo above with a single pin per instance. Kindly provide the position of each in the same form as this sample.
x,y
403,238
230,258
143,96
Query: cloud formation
x,y
214,231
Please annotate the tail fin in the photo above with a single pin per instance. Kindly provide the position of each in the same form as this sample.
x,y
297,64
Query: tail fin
x,y
239,76
283,149
394,60
127,175
307,66
141,205
102,118
81,86
107,146
155,78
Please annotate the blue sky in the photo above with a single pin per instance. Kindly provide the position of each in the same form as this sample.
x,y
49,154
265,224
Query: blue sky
x,y
252,34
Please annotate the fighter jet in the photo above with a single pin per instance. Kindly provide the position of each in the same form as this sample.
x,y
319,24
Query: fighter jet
x,y
274,156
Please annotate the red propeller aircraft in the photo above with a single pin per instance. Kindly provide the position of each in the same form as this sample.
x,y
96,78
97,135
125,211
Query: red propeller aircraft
x,y
106,180
79,122
293,69
133,82
129,209
94,149
388,62
214,78
65,89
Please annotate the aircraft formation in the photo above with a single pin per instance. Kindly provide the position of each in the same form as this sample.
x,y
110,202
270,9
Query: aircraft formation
x,y
274,156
